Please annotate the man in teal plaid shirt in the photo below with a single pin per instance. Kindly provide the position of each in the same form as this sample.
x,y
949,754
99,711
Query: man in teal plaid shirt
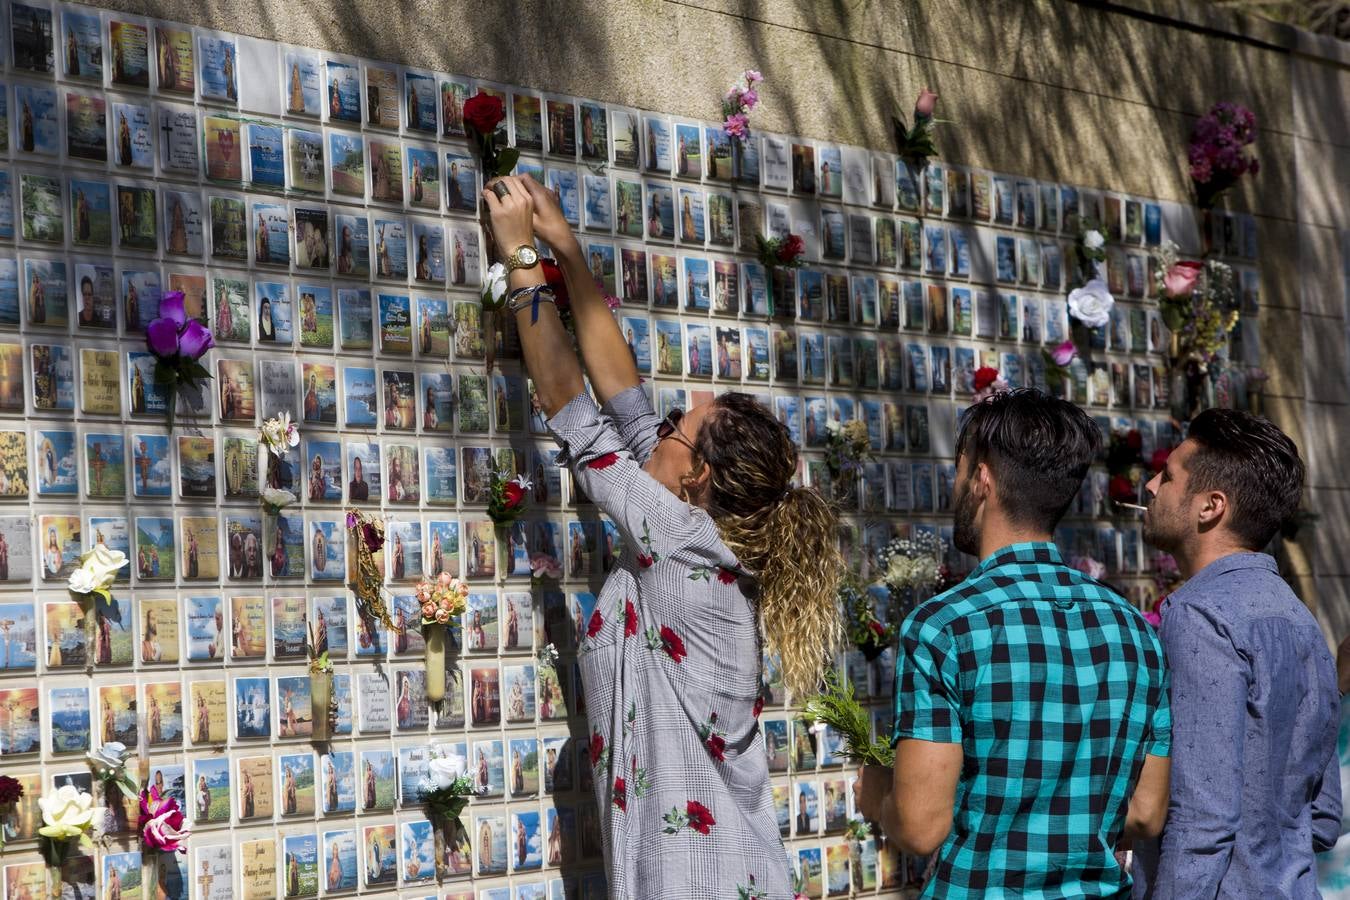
x,y
1032,725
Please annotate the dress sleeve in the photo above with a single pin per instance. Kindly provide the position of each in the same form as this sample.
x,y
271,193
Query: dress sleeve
x,y
636,421
651,519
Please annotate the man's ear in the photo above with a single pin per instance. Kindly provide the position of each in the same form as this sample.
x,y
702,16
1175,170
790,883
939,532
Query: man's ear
x,y
1213,509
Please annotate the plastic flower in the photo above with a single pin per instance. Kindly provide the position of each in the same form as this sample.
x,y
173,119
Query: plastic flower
x,y
1089,567
1091,304
67,813
445,770
1064,354
163,826
544,566
11,790
276,499
1180,280
1093,239
279,433
97,571
494,286
109,758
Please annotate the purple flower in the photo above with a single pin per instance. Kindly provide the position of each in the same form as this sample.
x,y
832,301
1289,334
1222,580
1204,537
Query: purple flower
x,y
171,307
161,335
351,520
750,98
195,340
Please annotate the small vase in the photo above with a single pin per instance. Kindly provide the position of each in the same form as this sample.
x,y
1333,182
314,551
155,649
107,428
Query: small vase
x,y
435,639
320,695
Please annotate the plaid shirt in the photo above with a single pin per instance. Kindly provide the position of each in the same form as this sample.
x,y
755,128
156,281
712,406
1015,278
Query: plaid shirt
x,y
1056,688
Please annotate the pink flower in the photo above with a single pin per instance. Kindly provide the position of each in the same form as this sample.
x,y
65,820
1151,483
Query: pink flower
x,y
752,76
163,823
1064,353
749,98
428,610
1181,278
737,125
1090,567
923,107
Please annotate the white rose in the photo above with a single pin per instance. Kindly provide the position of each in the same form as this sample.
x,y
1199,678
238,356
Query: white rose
x,y
1091,304
445,770
494,285
82,582
1093,240
277,498
66,813
98,568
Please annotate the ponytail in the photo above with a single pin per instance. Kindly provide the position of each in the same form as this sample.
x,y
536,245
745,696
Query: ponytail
x,y
787,536
792,545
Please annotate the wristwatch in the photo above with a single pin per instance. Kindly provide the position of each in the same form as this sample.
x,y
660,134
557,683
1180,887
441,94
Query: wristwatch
x,y
523,257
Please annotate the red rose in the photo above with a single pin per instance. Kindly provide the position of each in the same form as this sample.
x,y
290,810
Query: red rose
x,y
1159,460
985,376
759,706
630,621
1121,489
620,794
512,494
645,560
597,747
876,628
1133,439
11,790
553,274
672,644
597,622
717,746
483,113
726,576
700,817
603,462
791,247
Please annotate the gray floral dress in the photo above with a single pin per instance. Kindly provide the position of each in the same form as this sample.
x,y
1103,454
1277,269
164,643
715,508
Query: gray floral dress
x,y
670,664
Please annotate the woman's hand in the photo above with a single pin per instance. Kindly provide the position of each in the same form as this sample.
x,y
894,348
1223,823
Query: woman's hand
x,y
549,223
512,215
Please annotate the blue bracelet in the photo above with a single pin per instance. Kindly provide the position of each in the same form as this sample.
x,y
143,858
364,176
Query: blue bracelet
x,y
540,293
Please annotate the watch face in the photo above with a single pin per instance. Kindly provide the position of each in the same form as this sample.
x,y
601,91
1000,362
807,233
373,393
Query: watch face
x,y
527,256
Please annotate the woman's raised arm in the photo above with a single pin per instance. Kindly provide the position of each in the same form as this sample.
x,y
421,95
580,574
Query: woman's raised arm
x,y
546,345
609,362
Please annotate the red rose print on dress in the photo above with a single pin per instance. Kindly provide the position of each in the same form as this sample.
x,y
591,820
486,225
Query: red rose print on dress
x,y
620,794
726,576
597,622
695,816
630,619
667,640
603,462
647,555
759,706
713,739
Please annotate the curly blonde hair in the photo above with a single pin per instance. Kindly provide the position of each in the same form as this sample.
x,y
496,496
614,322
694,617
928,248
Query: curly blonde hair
x,y
787,536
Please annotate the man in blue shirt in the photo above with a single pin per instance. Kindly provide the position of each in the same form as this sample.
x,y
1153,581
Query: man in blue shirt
x,y
1255,784
1031,725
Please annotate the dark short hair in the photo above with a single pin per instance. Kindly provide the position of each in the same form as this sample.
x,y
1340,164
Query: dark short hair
x,y
1251,461
1039,448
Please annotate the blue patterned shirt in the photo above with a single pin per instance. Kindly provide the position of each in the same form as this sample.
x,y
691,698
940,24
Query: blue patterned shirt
x,y
1056,689
1256,785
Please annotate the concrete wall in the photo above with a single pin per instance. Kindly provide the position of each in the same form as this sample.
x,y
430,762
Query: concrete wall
x,y
1100,94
